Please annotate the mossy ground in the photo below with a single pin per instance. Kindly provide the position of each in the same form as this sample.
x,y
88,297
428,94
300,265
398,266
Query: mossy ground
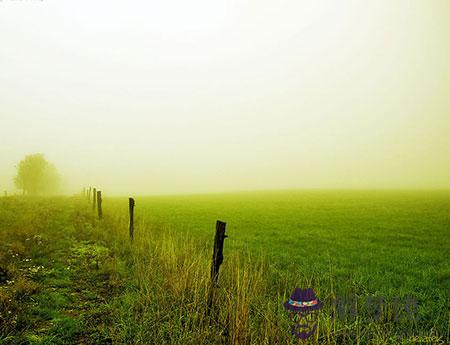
x,y
57,281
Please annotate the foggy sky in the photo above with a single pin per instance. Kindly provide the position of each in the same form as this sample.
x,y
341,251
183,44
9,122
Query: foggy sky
x,y
161,97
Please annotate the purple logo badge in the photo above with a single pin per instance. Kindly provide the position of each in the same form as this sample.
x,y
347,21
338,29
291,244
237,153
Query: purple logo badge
x,y
303,308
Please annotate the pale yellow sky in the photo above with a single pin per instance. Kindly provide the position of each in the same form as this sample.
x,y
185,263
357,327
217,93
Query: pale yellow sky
x,y
146,97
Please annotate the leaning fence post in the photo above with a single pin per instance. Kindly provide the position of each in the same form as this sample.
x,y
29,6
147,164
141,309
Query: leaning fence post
x,y
217,260
99,204
94,199
131,207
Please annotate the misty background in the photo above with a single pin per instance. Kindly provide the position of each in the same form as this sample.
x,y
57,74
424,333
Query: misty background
x,y
200,96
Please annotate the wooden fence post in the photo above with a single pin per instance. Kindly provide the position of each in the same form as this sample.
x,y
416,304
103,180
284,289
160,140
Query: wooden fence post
x,y
217,260
94,199
89,194
99,204
131,207
84,192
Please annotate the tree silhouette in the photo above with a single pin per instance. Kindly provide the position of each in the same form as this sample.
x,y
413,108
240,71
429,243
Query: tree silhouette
x,y
35,175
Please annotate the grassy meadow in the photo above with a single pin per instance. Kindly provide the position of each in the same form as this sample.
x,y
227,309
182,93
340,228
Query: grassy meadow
x,y
71,278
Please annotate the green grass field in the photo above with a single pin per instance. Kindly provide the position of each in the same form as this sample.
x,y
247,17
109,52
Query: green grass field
x,y
365,245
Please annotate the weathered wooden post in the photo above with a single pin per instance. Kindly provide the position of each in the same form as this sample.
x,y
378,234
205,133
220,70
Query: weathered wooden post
x,y
84,192
99,204
217,260
94,199
89,194
131,207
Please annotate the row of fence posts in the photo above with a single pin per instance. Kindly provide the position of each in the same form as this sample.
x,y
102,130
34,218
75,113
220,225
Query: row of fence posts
x,y
96,199
94,196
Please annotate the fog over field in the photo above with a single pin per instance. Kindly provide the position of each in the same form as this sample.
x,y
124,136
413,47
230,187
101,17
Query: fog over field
x,y
204,96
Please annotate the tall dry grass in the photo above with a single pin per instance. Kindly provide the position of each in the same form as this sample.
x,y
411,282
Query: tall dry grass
x,y
165,298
